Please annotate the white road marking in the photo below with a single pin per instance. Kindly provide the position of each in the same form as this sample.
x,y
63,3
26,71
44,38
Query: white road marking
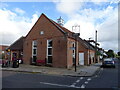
x,y
73,83
81,78
59,85
83,86
86,82
78,81
89,79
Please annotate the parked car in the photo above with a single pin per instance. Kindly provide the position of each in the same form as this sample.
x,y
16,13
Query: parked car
x,y
108,62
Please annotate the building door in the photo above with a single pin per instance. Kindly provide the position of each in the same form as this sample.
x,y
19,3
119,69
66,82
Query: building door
x,y
49,51
81,58
14,56
34,51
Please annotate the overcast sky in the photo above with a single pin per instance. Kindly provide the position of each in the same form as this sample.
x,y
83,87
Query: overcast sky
x,y
17,18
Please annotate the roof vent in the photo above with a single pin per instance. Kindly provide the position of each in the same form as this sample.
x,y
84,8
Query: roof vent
x,y
60,21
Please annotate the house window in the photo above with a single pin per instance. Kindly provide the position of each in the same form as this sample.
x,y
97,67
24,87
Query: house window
x,y
3,51
34,51
49,51
34,43
49,43
73,54
41,32
73,44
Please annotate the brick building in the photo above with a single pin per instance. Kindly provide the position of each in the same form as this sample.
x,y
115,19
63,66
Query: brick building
x,y
16,49
86,52
51,44
3,52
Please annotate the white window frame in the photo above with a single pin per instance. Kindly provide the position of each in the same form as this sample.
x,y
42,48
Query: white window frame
x,y
41,32
33,50
47,50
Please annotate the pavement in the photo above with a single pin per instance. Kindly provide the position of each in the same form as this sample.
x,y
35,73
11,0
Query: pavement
x,y
81,70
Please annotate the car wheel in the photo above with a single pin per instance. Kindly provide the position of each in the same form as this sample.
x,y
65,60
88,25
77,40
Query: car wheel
x,y
101,66
113,66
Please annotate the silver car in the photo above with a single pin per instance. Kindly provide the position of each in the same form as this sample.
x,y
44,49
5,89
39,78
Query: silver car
x,y
108,62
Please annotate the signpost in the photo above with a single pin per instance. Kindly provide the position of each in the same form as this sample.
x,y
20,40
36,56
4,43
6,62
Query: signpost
x,y
76,35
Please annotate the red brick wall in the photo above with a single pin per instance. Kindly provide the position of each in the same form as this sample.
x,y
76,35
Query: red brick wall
x,y
60,52
84,50
86,53
70,53
50,32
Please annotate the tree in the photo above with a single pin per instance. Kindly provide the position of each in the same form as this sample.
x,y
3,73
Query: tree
x,y
118,53
110,53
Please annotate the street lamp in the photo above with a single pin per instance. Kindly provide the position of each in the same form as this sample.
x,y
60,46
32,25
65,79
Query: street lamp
x,y
76,35
96,46
89,51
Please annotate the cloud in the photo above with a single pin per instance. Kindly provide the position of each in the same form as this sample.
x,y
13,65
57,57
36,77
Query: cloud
x,y
108,30
110,45
105,20
19,11
67,6
11,28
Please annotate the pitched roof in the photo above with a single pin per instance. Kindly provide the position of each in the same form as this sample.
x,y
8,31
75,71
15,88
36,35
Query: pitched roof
x,y
61,28
65,31
17,45
3,47
86,44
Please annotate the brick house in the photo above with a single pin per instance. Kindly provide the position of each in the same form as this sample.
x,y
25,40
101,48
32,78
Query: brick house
x,y
86,52
3,51
16,49
49,42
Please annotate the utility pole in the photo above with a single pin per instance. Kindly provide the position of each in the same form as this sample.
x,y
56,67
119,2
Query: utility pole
x,y
96,46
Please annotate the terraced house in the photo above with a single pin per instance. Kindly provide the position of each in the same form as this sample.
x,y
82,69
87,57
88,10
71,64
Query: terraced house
x,y
49,43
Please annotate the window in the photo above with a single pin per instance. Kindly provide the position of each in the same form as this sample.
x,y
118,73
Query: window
x,y
3,51
41,32
49,51
49,59
34,43
73,45
34,51
49,43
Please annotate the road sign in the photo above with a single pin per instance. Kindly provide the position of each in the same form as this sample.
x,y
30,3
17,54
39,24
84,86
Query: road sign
x,y
72,48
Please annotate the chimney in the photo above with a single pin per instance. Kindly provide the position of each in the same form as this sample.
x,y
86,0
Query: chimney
x,y
60,21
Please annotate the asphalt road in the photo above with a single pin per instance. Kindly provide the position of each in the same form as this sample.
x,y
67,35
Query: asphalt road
x,y
105,78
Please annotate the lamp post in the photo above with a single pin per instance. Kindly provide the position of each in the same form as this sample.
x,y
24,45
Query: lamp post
x,y
76,35
96,46
89,52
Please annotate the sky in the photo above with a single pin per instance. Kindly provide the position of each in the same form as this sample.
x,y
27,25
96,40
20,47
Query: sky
x,y
17,18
